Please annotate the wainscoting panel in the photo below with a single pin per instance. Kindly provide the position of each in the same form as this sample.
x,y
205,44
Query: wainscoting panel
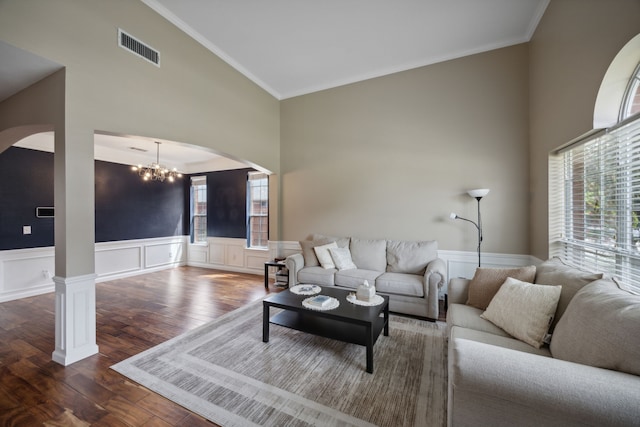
x,y
234,255
165,254
216,253
123,258
225,253
198,253
26,272
29,272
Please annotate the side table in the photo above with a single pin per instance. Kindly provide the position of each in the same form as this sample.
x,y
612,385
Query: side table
x,y
273,263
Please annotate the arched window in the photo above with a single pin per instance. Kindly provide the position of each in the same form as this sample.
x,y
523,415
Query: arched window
x,y
631,100
594,181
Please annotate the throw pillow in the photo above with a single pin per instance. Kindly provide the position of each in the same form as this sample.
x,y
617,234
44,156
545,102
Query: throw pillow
x,y
342,258
524,310
487,281
309,255
600,328
322,252
555,272
410,257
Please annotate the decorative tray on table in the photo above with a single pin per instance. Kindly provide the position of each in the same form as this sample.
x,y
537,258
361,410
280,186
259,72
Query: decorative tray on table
x,y
305,289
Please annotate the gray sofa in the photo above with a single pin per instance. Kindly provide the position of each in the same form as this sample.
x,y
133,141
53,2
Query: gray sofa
x,y
409,272
588,375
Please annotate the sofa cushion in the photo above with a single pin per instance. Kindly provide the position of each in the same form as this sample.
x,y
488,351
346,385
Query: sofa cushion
x,y
317,275
324,256
309,255
401,284
342,258
410,257
497,340
600,328
524,310
466,316
342,242
369,254
354,278
555,272
487,281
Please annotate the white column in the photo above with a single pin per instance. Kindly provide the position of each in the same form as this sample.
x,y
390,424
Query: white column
x,y
74,186
75,318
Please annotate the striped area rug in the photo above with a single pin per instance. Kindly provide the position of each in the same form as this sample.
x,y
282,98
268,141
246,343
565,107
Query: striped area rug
x,y
225,373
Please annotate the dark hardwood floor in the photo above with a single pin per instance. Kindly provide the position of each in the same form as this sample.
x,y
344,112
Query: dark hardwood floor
x,y
133,314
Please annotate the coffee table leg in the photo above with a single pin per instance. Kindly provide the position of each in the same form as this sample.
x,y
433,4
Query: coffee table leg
x,y
386,320
266,276
370,349
265,322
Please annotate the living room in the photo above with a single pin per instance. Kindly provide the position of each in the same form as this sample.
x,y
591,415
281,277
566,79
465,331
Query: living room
x,y
387,157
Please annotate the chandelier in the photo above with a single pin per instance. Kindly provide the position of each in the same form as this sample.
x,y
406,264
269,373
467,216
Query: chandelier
x,y
155,171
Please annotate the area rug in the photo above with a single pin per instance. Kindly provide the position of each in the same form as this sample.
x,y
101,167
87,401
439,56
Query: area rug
x,y
225,373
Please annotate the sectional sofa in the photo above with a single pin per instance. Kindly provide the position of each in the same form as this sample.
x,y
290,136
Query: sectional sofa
x,y
410,272
589,375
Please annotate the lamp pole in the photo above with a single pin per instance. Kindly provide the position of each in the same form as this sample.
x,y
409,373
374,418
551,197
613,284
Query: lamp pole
x,y
479,226
478,195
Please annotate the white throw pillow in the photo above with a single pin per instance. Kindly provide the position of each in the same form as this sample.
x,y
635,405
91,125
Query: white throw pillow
x,y
324,256
524,310
342,258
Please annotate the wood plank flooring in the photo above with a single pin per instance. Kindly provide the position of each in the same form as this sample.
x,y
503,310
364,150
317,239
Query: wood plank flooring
x,y
132,315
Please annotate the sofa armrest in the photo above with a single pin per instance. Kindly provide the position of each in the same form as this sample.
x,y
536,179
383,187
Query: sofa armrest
x,y
434,279
294,264
495,386
458,290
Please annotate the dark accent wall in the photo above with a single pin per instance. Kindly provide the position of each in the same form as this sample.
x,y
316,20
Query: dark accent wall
x,y
26,182
129,208
227,203
126,207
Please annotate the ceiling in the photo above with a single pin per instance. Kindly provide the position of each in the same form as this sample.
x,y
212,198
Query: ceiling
x,y
295,47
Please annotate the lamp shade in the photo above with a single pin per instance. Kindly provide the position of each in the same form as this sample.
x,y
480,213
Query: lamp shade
x,y
480,192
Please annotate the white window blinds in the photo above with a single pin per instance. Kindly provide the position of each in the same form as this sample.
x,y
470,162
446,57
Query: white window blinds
x,y
594,202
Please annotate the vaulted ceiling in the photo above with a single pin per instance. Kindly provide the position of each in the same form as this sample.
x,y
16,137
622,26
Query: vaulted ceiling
x,y
295,47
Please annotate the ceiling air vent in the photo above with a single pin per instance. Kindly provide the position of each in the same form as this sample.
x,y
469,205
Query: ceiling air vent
x,y
138,48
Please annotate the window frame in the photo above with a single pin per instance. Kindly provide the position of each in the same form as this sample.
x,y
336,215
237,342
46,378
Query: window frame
x,y
198,186
631,95
261,218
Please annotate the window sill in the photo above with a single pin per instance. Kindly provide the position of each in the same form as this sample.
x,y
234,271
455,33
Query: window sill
x,y
257,249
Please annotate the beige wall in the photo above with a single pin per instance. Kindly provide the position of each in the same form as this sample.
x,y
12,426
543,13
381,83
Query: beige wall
x,y
193,98
570,52
388,157
38,108
393,156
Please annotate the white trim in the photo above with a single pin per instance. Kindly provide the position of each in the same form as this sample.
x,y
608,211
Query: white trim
x,y
75,310
230,254
28,272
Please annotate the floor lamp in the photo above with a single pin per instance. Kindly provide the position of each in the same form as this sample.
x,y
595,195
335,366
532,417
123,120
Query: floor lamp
x,y
478,195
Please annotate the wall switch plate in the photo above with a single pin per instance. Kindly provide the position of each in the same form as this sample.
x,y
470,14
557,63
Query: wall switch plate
x,y
26,229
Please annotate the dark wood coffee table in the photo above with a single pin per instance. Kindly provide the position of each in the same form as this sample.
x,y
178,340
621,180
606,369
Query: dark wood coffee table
x,y
349,322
